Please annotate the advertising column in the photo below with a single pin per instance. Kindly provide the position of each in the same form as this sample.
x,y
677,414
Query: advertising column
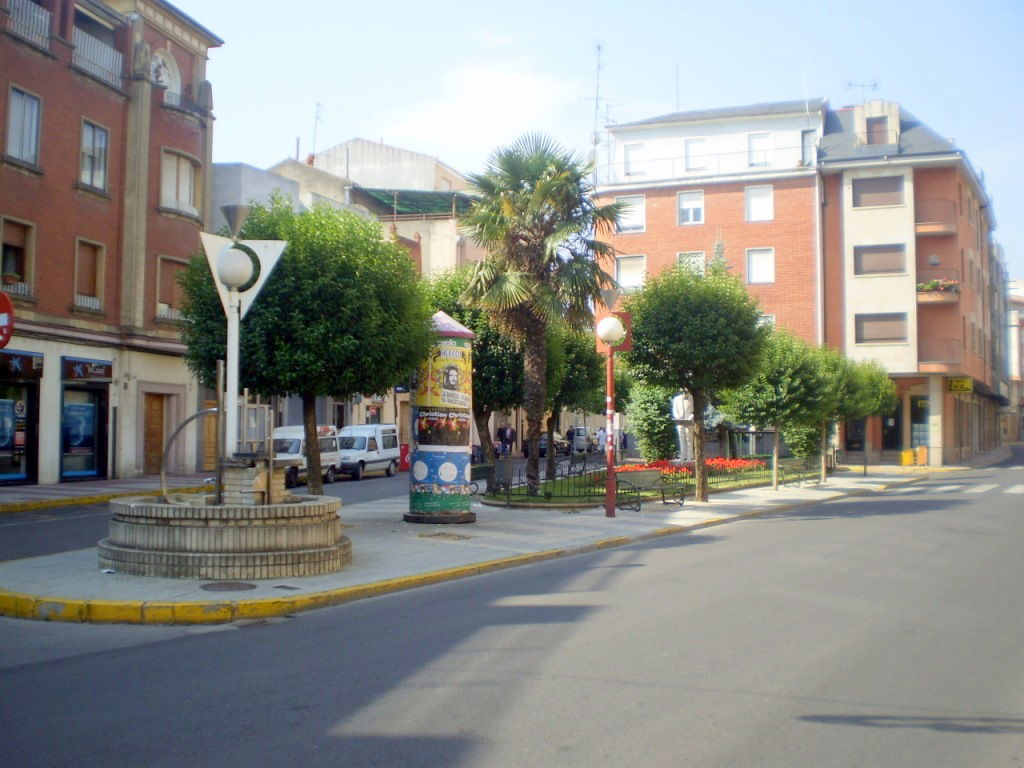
x,y
439,490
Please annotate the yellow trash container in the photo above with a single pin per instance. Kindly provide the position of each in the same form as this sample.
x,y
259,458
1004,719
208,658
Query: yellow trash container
x,y
906,458
922,455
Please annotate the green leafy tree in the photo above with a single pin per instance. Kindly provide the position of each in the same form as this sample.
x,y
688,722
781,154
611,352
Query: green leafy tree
x,y
497,358
342,314
788,389
650,417
536,217
581,385
865,391
699,333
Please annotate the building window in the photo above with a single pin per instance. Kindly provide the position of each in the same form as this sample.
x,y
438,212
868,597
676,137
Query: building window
x,y
760,203
807,139
169,294
178,183
877,130
760,265
691,207
758,147
881,190
768,320
881,328
633,217
88,275
16,255
692,260
629,272
695,152
879,259
23,127
632,162
93,172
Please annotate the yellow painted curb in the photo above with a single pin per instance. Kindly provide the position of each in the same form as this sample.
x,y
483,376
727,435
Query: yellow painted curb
x,y
28,506
25,606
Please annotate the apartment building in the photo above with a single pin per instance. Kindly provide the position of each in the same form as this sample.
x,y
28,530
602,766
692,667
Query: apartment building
x,y
104,188
1013,421
859,227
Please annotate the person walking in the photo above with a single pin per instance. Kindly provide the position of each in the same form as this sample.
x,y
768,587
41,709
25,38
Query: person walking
x,y
602,439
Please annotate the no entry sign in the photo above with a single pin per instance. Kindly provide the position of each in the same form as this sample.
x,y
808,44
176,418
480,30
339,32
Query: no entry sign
x,y
6,319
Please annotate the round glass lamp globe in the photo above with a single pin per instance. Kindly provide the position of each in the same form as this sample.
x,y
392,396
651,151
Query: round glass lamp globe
x,y
610,330
234,267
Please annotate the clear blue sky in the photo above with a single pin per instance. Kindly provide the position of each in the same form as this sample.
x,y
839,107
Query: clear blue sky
x,y
457,79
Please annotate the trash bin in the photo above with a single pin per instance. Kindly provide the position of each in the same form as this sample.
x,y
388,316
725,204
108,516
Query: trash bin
x,y
922,455
403,457
906,458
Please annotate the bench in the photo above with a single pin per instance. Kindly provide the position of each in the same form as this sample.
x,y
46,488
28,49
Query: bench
x,y
630,485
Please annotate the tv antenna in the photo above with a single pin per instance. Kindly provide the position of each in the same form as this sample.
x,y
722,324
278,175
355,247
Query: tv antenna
x,y
873,85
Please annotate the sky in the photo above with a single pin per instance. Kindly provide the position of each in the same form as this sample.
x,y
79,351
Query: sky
x,y
457,80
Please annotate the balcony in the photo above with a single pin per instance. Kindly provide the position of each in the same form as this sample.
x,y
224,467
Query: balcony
x,y
97,58
698,166
938,286
934,217
30,21
939,355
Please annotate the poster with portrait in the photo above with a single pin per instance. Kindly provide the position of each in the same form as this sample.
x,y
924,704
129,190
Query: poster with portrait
x,y
446,378
7,423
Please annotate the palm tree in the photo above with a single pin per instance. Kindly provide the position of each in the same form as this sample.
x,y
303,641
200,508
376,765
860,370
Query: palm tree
x,y
536,218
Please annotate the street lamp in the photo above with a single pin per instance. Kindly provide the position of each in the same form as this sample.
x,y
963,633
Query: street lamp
x,y
611,331
234,269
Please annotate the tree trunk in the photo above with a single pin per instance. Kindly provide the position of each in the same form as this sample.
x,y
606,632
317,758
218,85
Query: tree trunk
x,y
823,450
550,464
314,474
535,397
699,467
483,428
776,441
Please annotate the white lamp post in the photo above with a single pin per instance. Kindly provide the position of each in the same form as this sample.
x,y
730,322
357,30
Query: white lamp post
x,y
234,269
611,331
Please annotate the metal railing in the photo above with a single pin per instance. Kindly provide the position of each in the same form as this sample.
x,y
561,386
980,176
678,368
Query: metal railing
x,y
97,58
30,21
705,164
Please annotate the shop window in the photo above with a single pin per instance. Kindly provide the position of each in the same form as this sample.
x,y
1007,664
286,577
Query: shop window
x,y
88,275
23,120
169,297
93,172
179,182
16,255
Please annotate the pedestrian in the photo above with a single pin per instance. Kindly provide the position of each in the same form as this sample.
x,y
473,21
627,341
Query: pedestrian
x,y
601,439
500,440
510,439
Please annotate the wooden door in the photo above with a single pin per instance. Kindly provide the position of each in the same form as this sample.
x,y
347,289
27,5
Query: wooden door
x,y
153,433
209,438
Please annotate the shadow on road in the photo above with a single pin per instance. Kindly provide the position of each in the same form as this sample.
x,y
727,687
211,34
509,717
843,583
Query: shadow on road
x,y
944,724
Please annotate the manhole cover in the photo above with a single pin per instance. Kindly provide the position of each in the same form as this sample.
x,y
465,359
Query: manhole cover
x,y
227,586
443,535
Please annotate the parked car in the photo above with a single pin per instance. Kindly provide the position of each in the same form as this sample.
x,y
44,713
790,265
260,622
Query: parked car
x,y
290,452
366,447
562,447
583,440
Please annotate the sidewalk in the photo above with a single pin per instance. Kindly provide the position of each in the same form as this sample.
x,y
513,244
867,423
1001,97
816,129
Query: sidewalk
x,y
391,555
19,498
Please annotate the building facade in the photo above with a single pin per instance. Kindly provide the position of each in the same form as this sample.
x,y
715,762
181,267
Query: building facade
x,y
859,228
104,188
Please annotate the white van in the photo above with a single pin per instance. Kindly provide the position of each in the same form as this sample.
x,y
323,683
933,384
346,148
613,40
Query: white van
x,y
290,452
366,447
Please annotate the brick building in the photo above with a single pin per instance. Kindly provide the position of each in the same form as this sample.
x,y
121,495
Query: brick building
x,y
860,228
106,141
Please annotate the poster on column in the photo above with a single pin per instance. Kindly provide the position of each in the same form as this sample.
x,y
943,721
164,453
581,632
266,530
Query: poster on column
x,y
446,380
441,426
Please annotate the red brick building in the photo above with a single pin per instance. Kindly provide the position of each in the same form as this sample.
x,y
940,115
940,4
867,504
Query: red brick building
x,y
104,188
859,228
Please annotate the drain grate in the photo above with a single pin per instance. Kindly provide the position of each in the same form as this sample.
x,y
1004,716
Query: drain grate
x,y
227,586
253,624
285,586
443,535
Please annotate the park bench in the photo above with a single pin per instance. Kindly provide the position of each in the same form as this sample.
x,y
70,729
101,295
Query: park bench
x,y
630,485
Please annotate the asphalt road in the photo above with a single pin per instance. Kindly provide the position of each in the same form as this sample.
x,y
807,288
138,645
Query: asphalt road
x,y
882,630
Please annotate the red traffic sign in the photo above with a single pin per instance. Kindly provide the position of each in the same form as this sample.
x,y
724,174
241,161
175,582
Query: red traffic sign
x,y
6,319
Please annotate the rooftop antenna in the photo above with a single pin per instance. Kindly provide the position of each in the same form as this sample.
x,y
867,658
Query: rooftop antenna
x,y
677,86
594,139
873,85
316,123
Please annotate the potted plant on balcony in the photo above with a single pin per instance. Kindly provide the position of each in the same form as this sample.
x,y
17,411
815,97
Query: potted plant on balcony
x,y
939,285
10,278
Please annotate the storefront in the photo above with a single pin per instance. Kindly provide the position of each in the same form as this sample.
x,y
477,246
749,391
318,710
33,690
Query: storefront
x,y
85,388
20,374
